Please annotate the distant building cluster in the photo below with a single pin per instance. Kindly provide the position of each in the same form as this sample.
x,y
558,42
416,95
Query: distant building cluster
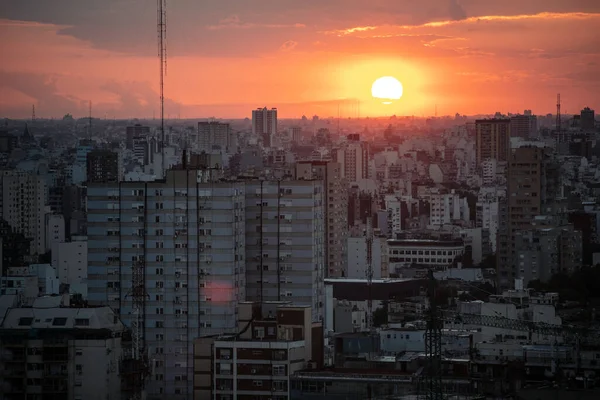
x,y
293,259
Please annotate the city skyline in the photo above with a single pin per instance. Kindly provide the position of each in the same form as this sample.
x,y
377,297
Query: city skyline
x,y
470,57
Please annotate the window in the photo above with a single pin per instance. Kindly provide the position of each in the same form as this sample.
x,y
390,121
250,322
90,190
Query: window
x,y
59,322
25,321
82,322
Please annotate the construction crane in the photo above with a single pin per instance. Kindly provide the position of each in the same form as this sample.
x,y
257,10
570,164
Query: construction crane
x,y
437,317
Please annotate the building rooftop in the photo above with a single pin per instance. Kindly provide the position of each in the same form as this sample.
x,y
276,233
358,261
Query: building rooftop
x,y
62,318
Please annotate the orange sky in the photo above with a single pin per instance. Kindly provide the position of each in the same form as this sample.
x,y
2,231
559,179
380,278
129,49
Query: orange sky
x,y
470,56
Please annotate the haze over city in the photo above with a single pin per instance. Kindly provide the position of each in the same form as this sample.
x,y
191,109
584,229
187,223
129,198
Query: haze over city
x,y
299,200
228,57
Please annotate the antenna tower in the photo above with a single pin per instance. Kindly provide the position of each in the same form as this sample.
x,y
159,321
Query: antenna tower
x,y
433,346
558,121
90,122
33,112
162,55
369,234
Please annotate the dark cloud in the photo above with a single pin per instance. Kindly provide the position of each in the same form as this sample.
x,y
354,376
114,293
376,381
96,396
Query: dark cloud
x,y
129,26
456,11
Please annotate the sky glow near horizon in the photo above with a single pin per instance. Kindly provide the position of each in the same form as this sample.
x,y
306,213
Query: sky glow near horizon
x,y
228,57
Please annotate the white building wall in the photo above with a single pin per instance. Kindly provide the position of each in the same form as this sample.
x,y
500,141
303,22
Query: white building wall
x,y
70,260
55,230
357,258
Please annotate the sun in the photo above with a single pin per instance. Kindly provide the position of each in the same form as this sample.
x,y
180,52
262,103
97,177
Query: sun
x,y
387,89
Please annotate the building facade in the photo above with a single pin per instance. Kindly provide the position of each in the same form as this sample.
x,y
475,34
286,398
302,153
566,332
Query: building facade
x,y
336,211
492,139
188,233
285,251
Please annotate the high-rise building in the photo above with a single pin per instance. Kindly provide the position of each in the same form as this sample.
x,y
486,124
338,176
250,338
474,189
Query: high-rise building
x,y
354,159
188,233
285,252
264,124
533,183
492,139
104,166
588,121
295,134
336,212
213,134
135,133
23,206
524,126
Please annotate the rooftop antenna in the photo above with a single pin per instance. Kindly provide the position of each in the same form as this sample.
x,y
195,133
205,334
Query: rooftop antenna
x,y
162,54
33,113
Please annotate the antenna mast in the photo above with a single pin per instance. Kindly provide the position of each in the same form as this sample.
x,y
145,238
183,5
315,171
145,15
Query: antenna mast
x,y
162,54
90,122
558,121
33,113
370,270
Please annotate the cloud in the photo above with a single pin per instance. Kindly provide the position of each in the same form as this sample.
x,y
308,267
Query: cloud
x,y
234,22
288,46
467,21
456,11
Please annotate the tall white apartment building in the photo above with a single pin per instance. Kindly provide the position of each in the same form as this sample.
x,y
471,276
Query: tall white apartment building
x,y
393,205
285,244
70,260
447,207
336,212
23,206
488,171
354,159
55,230
487,209
264,124
188,233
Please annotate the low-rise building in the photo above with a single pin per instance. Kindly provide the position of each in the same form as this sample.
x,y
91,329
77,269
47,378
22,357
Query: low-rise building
x,y
60,352
275,341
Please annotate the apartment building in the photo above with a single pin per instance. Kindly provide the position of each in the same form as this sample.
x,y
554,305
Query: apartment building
x,y
188,233
354,159
447,207
215,135
285,252
279,339
336,212
104,166
492,139
23,206
533,183
60,352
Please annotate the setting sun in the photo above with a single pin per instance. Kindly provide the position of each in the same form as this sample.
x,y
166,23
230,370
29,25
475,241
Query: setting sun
x,y
387,89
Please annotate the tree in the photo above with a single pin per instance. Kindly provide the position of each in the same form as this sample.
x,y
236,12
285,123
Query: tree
x,y
380,315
